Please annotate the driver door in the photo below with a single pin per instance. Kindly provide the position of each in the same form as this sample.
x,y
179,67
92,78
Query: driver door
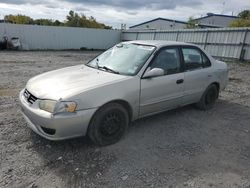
x,y
163,92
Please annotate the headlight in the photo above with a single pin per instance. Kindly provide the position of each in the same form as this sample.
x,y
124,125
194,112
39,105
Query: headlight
x,y
64,106
47,105
57,107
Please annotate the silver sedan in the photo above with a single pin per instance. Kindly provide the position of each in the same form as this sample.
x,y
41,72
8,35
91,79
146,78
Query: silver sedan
x,y
129,81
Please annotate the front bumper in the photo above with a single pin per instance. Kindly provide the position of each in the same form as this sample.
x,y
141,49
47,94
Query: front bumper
x,y
61,126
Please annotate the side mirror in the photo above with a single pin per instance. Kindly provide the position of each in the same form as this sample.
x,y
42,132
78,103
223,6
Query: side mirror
x,y
154,73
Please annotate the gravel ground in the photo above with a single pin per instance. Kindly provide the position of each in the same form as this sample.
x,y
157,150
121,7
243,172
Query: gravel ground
x,y
180,148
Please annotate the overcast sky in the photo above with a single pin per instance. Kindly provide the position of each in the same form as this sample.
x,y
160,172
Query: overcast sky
x,y
115,12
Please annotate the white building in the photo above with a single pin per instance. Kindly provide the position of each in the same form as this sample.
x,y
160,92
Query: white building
x,y
164,24
217,20
160,24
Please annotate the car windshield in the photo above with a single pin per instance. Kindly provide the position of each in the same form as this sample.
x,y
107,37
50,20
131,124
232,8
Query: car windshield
x,y
123,58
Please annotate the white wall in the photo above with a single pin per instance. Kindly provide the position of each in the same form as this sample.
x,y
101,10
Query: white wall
x,y
35,37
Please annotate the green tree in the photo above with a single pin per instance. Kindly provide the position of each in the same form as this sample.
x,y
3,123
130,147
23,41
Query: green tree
x,y
19,19
58,23
43,22
243,20
73,19
245,14
191,24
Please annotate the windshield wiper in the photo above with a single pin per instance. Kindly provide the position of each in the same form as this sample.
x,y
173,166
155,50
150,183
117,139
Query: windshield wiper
x,y
105,68
108,69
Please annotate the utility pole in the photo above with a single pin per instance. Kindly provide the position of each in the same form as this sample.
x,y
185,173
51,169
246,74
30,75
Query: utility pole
x,y
123,26
223,7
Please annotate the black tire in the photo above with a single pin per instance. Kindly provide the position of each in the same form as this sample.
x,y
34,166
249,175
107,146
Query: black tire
x,y
208,98
109,124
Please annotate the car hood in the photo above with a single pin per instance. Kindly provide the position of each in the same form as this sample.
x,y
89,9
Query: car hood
x,y
70,81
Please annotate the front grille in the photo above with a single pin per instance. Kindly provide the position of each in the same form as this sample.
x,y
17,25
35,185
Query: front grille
x,y
29,97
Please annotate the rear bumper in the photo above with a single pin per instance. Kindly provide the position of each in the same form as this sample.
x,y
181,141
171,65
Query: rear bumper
x,y
63,125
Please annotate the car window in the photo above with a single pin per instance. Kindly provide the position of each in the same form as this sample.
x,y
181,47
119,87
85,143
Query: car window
x,y
125,58
195,59
206,61
192,58
168,60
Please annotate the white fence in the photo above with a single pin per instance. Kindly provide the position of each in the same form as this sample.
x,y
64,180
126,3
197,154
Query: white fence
x,y
225,42
33,37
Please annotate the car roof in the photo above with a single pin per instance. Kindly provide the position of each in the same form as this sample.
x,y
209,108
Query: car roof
x,y
159,43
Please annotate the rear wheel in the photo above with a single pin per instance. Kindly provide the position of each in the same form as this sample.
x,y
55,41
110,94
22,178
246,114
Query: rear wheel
x,y
209,98
109,124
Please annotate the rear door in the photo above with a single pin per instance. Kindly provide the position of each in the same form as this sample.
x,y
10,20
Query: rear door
x,y
163,92
197,73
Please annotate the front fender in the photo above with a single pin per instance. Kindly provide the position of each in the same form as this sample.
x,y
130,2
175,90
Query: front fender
x,y
126,90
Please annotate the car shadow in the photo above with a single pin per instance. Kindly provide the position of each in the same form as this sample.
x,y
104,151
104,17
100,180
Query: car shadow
x,y
43,145
173,137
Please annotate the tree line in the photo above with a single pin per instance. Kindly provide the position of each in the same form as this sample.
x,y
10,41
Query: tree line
x,y
73,19
243,19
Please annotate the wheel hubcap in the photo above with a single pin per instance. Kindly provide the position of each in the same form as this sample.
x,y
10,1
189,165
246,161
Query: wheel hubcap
x,y
111,124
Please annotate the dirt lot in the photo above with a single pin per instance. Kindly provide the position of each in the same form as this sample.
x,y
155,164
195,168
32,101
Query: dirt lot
x,y
179,148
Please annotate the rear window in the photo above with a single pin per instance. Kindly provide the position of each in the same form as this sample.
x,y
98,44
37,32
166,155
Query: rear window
x,y
194,59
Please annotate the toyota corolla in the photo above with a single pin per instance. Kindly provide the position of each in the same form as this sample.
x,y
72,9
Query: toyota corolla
x,y
129,81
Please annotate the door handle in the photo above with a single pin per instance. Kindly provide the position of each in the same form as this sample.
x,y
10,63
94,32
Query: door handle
x,y
180,81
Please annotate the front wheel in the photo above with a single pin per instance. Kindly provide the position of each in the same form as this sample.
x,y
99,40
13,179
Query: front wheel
x,y
109,124
208,98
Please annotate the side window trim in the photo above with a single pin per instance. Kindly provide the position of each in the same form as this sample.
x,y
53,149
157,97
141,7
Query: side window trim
x,y
178,48
201,54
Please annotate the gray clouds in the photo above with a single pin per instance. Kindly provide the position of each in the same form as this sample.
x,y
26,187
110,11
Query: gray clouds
x,y
115,12
21,2
121,4
138,4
